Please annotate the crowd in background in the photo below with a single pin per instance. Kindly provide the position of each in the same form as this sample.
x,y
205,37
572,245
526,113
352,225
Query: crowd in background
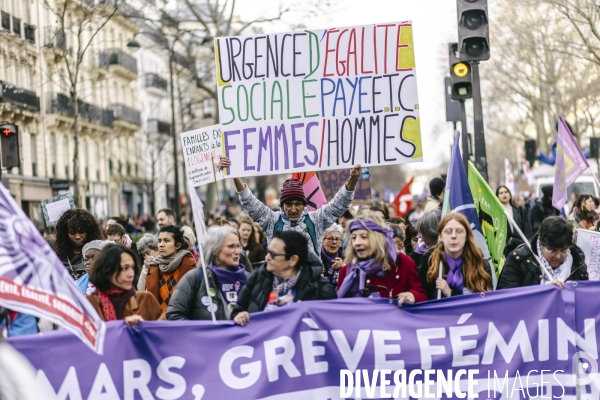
x,y
260,258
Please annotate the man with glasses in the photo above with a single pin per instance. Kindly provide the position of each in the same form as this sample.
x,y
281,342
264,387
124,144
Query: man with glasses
x,y
554,246
295,216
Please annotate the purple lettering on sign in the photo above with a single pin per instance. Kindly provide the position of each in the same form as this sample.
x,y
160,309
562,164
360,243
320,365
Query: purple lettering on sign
x,y
247,147
265,139
280,135
310,146
295,146
226,139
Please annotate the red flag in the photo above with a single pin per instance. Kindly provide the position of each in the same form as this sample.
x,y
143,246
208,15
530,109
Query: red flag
x,y
403,200
315,198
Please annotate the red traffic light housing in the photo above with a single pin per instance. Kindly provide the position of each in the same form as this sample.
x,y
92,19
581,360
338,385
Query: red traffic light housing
x,y
9,139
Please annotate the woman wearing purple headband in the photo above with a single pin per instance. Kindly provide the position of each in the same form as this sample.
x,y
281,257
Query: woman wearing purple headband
x,y
374,268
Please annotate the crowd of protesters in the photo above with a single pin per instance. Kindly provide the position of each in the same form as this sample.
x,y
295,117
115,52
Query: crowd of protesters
x,y
268,258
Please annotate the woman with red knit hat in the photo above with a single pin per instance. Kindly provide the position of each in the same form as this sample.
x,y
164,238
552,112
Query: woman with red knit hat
x,y
295,216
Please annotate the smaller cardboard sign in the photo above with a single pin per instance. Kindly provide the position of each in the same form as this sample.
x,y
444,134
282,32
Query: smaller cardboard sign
x,y
54,207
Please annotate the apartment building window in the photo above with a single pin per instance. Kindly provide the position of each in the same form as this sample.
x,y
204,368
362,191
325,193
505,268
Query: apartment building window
x,y
33,146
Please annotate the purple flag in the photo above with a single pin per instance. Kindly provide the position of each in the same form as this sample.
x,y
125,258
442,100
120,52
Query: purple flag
x,y
34,281
570,164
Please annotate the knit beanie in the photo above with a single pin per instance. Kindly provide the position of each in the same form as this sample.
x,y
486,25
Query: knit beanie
x,y
292,190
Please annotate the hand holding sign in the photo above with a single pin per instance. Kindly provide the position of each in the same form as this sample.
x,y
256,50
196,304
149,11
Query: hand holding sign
x,y
224,162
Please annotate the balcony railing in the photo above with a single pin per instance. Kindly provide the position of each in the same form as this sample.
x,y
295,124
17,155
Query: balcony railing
x,y
29,32
127,114
54,37
155,81
118,57
58,103
20,97
158,126
5,21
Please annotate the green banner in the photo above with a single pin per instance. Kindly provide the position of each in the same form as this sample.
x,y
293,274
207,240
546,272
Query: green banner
x,y
491,214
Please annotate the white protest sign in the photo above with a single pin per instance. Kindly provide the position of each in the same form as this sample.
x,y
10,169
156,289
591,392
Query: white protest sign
x,y
54,207
589,242
201,151
318,99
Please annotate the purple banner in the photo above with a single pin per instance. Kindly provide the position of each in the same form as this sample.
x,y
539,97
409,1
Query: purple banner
x,y
518,342
332,181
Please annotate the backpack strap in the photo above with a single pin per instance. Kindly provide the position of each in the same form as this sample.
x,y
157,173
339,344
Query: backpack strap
x,y
278,225
312,232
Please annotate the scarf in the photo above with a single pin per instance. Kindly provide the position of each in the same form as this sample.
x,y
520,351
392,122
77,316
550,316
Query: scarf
x,y
230,281
561,273
128,241
282,286
421,248
142,279
113,302
354,283
375,227
169,264
455,277
287,221
327,259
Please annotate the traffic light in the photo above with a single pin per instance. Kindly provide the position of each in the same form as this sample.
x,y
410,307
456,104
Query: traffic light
x,y
473,30
460,76
9,134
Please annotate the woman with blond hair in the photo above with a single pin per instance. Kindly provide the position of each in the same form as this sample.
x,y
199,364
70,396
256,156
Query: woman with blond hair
x,y
464,269
374,268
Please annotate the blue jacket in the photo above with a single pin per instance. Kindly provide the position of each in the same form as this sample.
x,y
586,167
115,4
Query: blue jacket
x,y
22,324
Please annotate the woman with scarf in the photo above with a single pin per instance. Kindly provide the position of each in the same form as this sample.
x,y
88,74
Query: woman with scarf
x,y
428,237
464,269
291,274
114,296
148,248
226,277
374,268
172,263
584,212
331,253
518,214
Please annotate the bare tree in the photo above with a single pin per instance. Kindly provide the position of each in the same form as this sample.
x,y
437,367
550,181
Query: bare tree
x,y
79,23
529,81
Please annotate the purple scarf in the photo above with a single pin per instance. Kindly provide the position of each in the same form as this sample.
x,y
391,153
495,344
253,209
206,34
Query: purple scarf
x,y
354,283
327,259
229,280
455,277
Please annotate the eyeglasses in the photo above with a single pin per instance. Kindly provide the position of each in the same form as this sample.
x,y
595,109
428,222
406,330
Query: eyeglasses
x,y
457,231
294,204
553,251
332,239
273,254
234,246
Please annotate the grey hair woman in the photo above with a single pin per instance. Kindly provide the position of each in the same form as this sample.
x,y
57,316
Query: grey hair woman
x,y
332,253
427,228
226,277
148,247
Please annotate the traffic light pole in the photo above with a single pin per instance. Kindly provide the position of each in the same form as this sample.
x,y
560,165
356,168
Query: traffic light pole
x,y
480,151
464,135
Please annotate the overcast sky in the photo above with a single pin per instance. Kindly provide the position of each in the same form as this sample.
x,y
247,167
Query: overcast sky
x,y
434,25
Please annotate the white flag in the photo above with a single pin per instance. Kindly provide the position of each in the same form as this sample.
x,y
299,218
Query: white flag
x,y
198,210
509,179
34,281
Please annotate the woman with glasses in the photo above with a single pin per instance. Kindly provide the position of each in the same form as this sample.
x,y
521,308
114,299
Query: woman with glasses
x,y
172,263
292,273
554,247
374,268
464,269
331,253
226,278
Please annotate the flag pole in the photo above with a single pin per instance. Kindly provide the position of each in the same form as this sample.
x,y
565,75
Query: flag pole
x,y
210,300
439,291
534,253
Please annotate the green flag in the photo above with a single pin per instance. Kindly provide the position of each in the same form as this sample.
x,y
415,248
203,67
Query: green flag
x,y
491,214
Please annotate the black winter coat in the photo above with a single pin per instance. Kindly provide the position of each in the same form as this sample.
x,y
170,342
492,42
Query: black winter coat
x,y
541,210
310,286
514,239
521,268
186,300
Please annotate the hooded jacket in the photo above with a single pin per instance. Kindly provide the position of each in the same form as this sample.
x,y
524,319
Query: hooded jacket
x,y
522,269
541,210
309,286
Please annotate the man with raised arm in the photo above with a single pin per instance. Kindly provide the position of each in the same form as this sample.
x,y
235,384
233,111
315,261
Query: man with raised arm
x,y
295,216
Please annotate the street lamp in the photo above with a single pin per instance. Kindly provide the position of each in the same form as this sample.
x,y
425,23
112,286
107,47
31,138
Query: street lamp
x,y
134,46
